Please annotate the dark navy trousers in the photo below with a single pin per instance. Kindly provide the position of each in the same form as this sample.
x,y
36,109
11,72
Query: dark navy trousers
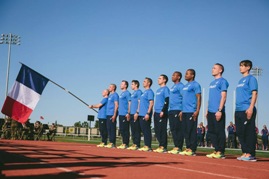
x,y
190,131
146,130
176,128
245,130
136,131
111,128
103,130
216,130
160,127
124,129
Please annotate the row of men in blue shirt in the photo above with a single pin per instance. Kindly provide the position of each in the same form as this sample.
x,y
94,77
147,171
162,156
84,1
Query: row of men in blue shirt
x,y
181,106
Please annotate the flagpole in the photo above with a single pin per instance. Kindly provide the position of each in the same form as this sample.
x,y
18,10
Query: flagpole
x,y
61,87
72,94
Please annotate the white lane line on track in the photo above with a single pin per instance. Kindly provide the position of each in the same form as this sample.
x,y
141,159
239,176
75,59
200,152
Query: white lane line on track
x,y
201,172
182,169
162,156
64,169
61,168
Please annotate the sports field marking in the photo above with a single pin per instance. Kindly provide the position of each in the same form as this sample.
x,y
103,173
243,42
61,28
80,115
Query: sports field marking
x,y
188,170
210,163
181,158
63,169
200,172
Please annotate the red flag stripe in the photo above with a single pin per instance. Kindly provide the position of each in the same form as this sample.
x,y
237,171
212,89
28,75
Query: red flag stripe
x,y
16,110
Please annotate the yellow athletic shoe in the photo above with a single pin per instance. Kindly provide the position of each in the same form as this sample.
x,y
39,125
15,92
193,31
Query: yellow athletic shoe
x,y
175,150
145,149
102,144
183,152
211,155
219,155
122,146
161,149
155,150
133,147
110,145
188,152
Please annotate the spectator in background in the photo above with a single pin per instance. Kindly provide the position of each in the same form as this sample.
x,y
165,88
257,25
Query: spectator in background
x,y
38,130
203,138
52,132
207,138
257,142
200,135
6,129
265,134
231,135
236,141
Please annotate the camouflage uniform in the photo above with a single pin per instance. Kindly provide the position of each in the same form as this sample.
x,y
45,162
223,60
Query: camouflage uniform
x,y
6,128
15,129
38,130
52,132
27,131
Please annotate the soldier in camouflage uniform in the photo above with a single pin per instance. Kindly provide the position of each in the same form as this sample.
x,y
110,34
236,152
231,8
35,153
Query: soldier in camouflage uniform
x,y
52,132
6,128
27,131
38,130
15,130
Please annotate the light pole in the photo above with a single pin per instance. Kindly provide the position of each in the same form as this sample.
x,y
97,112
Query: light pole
x,y
9,39
256,71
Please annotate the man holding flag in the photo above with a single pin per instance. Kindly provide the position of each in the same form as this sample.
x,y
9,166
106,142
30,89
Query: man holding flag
x,y
112,114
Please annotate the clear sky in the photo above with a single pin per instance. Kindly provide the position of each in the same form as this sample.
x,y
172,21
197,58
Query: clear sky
x,y
84,45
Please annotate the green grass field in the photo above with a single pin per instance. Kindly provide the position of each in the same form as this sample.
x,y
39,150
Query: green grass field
x,y
97,140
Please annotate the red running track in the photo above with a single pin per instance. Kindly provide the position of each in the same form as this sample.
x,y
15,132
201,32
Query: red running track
x,y
44,159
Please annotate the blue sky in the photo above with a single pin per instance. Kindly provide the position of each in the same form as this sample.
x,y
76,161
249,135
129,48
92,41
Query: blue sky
x,y
85,45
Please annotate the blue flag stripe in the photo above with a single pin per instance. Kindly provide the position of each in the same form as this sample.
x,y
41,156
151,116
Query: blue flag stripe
x,y
32,79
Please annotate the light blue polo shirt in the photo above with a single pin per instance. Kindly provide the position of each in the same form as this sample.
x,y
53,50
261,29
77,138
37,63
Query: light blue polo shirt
x,y
102,109
110,103
161,94
134,100
189,96
244,92
146,97
175,98
216,87
124,98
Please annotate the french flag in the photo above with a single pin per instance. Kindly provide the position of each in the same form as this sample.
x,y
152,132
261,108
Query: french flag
x,y
25,94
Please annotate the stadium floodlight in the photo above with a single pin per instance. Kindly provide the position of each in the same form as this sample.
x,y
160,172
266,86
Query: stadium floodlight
x,y
9,39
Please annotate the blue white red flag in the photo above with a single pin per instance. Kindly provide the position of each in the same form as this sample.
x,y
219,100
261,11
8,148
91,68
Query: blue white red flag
x,y
25,94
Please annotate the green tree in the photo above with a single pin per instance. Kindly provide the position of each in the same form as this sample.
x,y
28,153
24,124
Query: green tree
x,y
85,124
77,124
96,125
